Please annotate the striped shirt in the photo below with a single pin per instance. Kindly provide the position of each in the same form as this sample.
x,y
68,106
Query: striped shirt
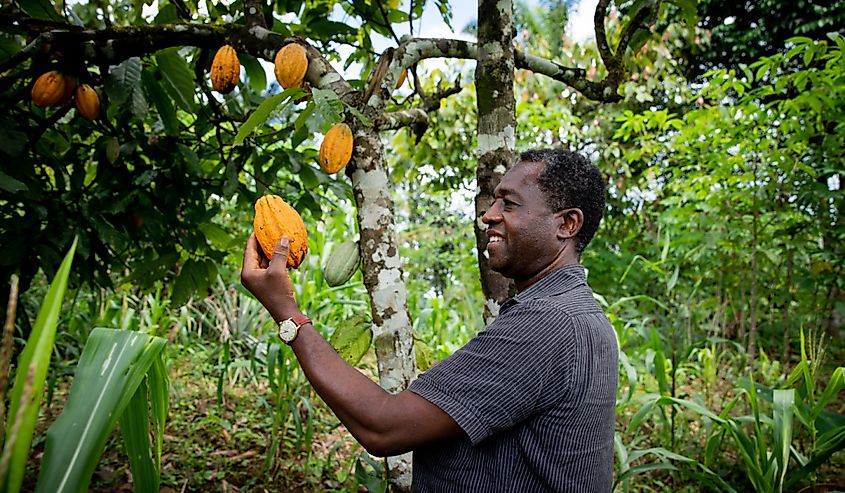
x,y
535,393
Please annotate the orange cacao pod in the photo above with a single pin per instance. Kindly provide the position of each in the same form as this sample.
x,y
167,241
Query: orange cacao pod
x,y
225,70
290,65
48,89
336,149
274,218
402,76
87,102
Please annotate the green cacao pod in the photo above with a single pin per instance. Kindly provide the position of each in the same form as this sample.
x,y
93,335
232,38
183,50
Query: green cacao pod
x,y
342,263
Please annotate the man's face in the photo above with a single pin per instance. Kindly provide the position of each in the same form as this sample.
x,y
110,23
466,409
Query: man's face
x,y
521,228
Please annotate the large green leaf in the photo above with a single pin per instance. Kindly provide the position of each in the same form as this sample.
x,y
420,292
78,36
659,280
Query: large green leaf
x,y
179,77
352,338
31,374
262,113
40,9
110,370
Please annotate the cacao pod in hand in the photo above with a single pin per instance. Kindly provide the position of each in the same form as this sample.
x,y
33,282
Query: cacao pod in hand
x,y
290,65
274,218
87,102
342,263
336,149
48,89
225,70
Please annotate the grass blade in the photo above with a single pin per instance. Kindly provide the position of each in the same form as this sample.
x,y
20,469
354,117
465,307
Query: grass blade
x,y
135,429
32,367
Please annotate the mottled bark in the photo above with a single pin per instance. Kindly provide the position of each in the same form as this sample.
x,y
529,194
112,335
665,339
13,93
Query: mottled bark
x,y
382,268
496,131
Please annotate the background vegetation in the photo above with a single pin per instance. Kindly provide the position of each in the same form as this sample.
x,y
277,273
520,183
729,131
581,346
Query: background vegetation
x,y
719,261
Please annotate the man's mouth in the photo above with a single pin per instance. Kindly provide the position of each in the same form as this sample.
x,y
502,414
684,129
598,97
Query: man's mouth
x,y
494,239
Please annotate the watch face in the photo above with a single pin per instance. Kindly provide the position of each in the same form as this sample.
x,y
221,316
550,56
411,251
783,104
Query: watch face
x,y
287,330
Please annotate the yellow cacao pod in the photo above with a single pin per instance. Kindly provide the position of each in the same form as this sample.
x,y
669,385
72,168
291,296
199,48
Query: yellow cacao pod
x,y
341,263
336,149
48,89
225,70
87,102
290,65
274,218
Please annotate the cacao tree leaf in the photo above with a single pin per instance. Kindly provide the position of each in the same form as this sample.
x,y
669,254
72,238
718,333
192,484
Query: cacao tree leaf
x,y
255,74
10,184
138,103
40,9
162,102
8,47
12,141
179,77
265,109
123,80
352,338
327,109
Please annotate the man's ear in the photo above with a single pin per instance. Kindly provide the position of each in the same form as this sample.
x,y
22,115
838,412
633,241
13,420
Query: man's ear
x,y
570,222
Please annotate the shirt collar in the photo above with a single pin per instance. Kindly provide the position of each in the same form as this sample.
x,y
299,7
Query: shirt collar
x,y
560,281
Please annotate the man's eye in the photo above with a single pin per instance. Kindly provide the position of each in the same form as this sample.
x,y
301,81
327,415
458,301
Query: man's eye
x,y
508,203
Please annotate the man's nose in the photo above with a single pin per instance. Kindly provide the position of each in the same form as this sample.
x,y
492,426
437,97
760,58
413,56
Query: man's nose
x,y
491,215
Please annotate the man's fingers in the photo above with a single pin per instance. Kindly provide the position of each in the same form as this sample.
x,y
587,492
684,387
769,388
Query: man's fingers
x,y
251,256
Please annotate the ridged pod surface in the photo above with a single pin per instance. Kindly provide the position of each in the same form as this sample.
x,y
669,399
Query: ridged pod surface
x,y
336,149
48,89
225,70
274,218
87,102
341,263
290,65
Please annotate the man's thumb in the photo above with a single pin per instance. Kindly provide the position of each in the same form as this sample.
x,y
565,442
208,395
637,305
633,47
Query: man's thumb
x,y
280,253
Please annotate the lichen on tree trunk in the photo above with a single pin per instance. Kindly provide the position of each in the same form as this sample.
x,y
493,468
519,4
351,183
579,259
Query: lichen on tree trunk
x,y
382,268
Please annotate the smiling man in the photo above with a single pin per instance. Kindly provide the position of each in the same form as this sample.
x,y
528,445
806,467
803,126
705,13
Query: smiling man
x,y
526,405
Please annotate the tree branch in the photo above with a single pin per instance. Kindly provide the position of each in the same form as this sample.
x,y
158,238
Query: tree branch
x,y
402,118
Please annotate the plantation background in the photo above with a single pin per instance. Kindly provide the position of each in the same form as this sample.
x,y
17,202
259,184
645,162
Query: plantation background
x,y
719,261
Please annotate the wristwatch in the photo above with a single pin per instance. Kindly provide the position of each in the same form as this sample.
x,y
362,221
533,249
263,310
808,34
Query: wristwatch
x,y
289,329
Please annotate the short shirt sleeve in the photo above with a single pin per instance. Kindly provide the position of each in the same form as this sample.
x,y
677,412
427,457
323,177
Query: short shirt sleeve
x,y
506,373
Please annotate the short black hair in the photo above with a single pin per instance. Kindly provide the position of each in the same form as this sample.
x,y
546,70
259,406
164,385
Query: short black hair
x,y
570,180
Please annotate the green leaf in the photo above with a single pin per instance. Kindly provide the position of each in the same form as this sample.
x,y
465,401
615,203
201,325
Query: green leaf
x,y
179,77
327,109
352,338
10,184
193,276
109,372
135,430
255,74
123,80
40,9
162,102
217,236
8,47
31,374
265,109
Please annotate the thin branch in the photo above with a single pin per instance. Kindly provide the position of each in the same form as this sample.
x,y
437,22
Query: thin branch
x,y
402,118
601,34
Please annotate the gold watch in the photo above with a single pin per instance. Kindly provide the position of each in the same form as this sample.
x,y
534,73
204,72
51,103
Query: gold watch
x,y
289,329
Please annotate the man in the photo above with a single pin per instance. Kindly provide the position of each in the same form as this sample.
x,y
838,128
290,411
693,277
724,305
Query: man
x,y
526,405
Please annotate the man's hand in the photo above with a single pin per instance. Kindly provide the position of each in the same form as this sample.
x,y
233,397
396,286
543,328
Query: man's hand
x,y
270,285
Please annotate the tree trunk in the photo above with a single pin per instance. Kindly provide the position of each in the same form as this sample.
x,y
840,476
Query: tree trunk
x,y
496,131
382,269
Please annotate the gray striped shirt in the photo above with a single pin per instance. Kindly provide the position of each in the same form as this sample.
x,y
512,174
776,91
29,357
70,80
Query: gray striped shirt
x,y
535,393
